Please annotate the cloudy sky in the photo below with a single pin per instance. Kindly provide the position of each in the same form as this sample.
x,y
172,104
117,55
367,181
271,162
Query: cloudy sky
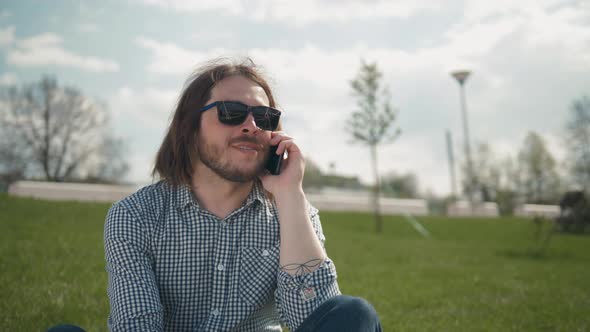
x,y
530,59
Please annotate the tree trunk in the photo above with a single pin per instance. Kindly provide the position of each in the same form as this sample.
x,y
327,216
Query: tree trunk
x,y
376,191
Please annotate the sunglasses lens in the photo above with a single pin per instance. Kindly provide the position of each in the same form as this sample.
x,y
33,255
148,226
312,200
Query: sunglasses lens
x,y
266,118
232,113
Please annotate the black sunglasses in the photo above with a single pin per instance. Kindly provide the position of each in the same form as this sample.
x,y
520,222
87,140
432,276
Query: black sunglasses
x,y
234,113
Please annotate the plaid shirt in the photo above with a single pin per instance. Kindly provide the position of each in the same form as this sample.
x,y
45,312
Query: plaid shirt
x,y
174,266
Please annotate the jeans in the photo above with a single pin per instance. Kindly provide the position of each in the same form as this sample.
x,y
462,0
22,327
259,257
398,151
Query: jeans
x,y
65,328
342,313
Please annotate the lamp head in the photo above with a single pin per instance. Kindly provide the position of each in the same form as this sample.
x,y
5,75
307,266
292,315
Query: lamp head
x,y
461,75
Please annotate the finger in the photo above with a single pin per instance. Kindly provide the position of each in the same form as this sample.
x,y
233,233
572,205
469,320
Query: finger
x,y
282,146
274,134
288,145
278,138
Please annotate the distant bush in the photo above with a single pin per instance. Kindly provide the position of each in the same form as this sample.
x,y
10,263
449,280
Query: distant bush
x,y
575,213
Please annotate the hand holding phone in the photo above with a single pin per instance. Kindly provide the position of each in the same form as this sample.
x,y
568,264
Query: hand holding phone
x,y
274,161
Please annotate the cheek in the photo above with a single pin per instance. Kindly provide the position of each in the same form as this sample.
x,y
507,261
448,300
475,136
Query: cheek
x,y
213,131
266,137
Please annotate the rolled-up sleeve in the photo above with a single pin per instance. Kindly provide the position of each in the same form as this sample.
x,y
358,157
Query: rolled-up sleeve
x,y
132,290
298,296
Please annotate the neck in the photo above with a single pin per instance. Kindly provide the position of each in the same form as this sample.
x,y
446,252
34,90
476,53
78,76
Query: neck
x,y
216,194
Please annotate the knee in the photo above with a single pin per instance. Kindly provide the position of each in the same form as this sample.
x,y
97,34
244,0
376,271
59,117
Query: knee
x,y
356,314
65,328
356,307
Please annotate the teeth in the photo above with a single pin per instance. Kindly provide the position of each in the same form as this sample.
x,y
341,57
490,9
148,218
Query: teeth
x,y
245,148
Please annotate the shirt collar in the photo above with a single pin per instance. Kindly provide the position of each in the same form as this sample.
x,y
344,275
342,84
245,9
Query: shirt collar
x,y
256,194
183,196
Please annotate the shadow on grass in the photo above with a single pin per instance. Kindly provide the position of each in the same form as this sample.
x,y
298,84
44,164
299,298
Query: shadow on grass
x,y
532,254
544,230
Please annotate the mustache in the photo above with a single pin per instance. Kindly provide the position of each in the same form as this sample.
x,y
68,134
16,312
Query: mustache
x,y
247,139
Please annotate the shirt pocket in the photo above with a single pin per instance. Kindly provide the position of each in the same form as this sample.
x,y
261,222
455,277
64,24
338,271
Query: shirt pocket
x,y
258,274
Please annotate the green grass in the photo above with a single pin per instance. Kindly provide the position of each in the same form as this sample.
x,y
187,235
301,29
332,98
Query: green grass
x,y
471,275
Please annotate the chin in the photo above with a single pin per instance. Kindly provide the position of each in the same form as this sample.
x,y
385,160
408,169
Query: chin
x,y
244,174
253,172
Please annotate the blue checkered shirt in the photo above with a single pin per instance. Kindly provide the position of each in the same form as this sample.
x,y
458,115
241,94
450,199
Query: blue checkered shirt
x,y
174,266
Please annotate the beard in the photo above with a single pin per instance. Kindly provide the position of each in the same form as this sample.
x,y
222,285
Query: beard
x,y
212,156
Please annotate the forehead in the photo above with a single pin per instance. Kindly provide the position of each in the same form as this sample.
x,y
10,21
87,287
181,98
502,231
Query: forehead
x,y
239,88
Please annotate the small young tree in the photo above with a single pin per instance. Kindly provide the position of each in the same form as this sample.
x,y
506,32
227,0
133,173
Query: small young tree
x,y
372,122
541,182
400,185
313,175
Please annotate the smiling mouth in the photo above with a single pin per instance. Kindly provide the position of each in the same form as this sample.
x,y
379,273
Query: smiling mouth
x,y
246,148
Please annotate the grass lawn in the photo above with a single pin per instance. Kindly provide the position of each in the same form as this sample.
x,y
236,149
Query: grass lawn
x,y
471,275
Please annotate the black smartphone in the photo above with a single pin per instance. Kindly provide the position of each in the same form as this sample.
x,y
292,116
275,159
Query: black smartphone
x,y
274,161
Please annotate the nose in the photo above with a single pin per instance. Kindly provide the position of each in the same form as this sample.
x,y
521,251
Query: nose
x,y
249,125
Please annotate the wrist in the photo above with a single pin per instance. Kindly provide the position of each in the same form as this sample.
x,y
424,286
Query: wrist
x,y
293,195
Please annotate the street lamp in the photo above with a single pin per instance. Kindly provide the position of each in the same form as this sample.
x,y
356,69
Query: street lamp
x,y
451,160
461,76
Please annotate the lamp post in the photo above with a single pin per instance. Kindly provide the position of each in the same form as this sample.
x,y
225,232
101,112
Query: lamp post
x,y
451,160
461,76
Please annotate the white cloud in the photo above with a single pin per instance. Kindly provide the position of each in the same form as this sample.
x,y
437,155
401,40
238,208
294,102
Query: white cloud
x,y
212,36
307,11
481,10
47,49
149,111
312,87
529,61
88,27
543,22
140,166
6,36
479,38
229,6
39,41
150,106
302,11
5,14
8,79
169,58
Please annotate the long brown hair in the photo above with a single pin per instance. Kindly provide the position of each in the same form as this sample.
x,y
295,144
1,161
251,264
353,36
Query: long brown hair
x,y
178,153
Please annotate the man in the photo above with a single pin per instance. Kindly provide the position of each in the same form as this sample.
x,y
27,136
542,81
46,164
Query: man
x,y
219,244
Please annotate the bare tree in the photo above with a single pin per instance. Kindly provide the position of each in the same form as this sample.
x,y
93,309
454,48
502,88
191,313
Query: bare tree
x,y
578,141
12,165
372,123
58,133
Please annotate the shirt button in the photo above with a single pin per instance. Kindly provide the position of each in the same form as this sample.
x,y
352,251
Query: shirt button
x,y
220,267
265,252
215,312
